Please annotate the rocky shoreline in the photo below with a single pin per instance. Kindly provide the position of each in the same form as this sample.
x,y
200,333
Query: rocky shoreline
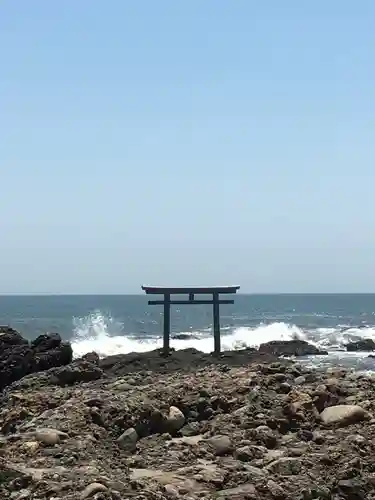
x,y
248,424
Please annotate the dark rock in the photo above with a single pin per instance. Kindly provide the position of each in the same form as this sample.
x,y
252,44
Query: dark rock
x,y
191,429
76,372
290,348
18,358
91,357
352,489
183,336
46,342
10,338
361,345
182,360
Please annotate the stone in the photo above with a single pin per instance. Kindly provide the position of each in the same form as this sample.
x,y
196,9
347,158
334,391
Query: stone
x,y
273,455
191,429
361,345
290,348
342,415
299,402
286,466
238,493
91,357
92,489
220,444
49,437
30,447
244,454
284,388
175,419
275,490
171,491
128,439
265,436
46,342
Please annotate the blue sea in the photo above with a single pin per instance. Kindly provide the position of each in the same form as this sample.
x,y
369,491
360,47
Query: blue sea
x,y
112,324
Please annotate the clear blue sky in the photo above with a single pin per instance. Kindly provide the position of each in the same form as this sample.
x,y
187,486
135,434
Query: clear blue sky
x,y
187,142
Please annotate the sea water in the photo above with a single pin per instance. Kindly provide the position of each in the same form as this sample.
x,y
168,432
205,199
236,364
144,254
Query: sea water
x,y
125,323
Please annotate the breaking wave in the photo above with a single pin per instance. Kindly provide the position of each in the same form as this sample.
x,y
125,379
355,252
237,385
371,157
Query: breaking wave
x,y
103,334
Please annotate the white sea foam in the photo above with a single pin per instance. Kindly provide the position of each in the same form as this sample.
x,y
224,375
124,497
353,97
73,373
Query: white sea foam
x,y
101,333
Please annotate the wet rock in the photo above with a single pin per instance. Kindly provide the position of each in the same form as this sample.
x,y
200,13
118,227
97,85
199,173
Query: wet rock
x,y
342,415
18,358
46,342
91,357
10,337
290,348
128,439
361,345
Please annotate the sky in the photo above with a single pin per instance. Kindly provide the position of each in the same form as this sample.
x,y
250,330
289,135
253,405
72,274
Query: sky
x,y
180,143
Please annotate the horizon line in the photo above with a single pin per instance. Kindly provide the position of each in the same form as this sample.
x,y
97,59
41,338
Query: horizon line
x,y
140,294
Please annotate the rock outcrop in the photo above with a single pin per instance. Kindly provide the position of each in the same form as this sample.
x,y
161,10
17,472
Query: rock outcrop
x,y
269,429
290,348
361,345
19,358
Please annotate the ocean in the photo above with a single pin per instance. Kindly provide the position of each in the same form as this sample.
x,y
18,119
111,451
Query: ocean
x,y
112,324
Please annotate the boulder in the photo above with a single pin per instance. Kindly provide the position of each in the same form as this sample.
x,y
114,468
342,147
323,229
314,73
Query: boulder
x,y
46,342
221,445
343,415
10,338
175,419
18,358
128,439
290,348
361,345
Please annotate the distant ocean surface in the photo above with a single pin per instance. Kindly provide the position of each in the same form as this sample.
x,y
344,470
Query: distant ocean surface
x,y
125,323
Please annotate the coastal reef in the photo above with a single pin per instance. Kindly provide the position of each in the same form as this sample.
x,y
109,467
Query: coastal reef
x,y
249,424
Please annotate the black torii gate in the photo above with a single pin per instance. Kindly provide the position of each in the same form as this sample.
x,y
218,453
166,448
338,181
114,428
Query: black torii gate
x,y
191,291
